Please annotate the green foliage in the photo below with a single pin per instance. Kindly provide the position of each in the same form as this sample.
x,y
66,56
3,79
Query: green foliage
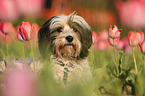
x,y
106,80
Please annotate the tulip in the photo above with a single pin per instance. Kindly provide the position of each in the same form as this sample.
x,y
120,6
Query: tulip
x,y
36,29
114,32
131,13
116,40
135,38
18,82
102,45
120,45
94,37
8,10
142,46
25,7
26,31
103,35
5,27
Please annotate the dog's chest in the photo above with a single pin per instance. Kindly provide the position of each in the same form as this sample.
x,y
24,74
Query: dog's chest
x,y
70,71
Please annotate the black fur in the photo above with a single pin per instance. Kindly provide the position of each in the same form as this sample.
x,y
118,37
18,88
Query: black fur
x,y
44,38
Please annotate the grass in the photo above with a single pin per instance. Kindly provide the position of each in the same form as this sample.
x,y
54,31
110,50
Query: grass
x,y
103,69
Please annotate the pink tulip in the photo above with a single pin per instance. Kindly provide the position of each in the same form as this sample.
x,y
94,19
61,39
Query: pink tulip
x,y
18,82
6,27
142,46
8,10
120,45
114,32
116,40
101,45
36,29
26,31
131,13
30,7
103,35
94,37
135,38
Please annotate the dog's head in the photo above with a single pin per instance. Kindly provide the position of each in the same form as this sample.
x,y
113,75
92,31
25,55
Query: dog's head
x,y
66,36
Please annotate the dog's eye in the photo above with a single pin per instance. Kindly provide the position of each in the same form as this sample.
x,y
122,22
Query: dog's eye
x,y
75,30
59,30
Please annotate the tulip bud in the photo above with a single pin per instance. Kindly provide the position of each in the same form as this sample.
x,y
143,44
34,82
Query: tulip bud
x,y
26,31
135,38
114,32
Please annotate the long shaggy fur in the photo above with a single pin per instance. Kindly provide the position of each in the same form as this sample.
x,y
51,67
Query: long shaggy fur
x,y
68,61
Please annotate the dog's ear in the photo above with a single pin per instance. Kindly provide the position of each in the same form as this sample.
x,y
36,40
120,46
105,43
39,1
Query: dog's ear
x,y
86,40
44,38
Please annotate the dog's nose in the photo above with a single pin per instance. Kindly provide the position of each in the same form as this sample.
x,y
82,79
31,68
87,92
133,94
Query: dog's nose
x,y
69,38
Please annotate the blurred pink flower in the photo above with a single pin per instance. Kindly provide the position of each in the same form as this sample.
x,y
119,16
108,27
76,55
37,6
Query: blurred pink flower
x,y
36,29
142,46
8,10
103,35
101,45
114,32
18,82
135,38
6,27
116,40
94,37
26,31
30,7
120,45
131,13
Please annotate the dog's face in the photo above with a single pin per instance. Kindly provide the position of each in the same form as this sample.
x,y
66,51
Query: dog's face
x,y
67,36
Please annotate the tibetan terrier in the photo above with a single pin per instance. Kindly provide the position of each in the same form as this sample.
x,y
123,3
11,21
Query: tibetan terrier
x,y
69,39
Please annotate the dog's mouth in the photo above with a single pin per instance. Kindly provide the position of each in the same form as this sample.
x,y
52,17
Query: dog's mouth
x,y
67,50
68,46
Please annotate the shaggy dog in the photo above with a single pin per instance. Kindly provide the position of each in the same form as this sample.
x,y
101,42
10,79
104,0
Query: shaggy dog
x,y
69,39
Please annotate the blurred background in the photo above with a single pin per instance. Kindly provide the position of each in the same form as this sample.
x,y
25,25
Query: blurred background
x,y
127,14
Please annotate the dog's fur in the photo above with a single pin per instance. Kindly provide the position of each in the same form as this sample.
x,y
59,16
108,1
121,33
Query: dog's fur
x,y
69,39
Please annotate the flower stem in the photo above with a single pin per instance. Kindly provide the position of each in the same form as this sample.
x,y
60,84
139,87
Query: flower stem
x,y
115,58
1,67
6,45
134,60
32,54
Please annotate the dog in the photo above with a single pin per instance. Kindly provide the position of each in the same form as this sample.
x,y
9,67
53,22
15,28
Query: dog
x,y
69,38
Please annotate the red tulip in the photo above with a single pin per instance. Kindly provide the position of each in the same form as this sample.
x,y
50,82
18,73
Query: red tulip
x,y
135,38
142,46
26,31
114,32
116,40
